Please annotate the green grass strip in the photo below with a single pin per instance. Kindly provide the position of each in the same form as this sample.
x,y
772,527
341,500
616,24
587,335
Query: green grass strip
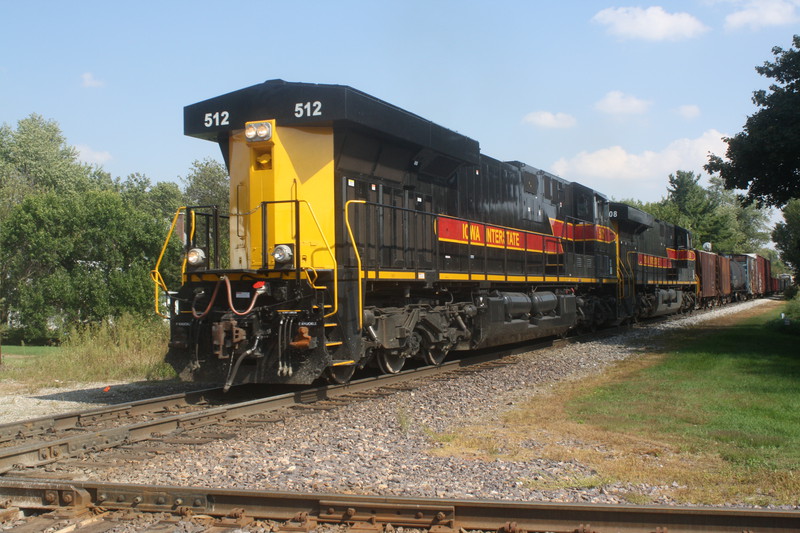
x,y
733,390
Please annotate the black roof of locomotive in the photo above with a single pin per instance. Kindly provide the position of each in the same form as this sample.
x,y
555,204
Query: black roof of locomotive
x,y
629,214
281,100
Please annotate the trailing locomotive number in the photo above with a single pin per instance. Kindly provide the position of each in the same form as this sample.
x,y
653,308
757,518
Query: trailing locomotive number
x,y
308,109
220,118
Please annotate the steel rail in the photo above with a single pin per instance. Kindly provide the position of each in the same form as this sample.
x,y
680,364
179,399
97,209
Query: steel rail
x,y
303,512
48,451
45,452
82,419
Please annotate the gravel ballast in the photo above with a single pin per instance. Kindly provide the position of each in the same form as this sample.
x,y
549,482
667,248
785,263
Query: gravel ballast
x,y
381,446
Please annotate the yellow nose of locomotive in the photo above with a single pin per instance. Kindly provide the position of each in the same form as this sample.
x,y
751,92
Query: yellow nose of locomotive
x,y
282,195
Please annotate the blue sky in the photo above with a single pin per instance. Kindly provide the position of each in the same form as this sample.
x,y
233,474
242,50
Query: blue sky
x,y
614,95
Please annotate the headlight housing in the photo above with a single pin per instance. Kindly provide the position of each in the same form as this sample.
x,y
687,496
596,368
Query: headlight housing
x,y
282,254
195,257
258,131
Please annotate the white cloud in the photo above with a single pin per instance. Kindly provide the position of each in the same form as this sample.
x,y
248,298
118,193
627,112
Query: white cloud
x,y
621,174
619,103
92,157
756,14
90,81
546,119
689,111
651,24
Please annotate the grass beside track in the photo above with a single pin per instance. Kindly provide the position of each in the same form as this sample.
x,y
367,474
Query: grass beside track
x,y
130,349
712,418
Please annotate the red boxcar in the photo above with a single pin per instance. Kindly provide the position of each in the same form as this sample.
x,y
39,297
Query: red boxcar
x,y
724,273
767,275
762,276
706,267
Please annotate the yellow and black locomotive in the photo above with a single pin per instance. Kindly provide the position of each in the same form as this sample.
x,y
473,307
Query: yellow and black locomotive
x,y
360,233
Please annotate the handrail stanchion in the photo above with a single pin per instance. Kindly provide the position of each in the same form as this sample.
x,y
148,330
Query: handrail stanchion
x,y
155,274
358,260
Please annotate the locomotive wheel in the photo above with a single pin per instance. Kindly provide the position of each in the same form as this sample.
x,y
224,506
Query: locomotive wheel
x,y
432,355
429,352
339,375
390,362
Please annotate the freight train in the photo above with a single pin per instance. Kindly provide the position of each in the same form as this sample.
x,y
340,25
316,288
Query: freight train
x,y
735,277
361,234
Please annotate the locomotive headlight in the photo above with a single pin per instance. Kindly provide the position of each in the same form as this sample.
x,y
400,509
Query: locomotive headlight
x,y
264,131
258,131
282,253
195,256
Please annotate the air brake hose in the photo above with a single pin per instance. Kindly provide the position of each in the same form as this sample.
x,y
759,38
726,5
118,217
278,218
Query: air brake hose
x,y
210,302
230,299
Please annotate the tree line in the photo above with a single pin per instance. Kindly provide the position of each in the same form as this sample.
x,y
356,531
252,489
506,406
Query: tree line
x,y
76,245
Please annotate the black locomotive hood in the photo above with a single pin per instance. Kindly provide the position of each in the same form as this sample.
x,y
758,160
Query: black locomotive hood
x,y
309,104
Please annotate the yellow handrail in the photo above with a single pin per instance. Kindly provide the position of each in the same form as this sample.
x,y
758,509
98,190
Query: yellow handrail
x,y
358,260
155,274
160,284
333,258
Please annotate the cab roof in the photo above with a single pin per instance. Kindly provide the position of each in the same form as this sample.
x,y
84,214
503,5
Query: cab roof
x,y
308,104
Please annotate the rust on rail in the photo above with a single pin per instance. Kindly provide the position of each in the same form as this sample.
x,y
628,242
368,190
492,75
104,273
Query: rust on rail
x,y
301,513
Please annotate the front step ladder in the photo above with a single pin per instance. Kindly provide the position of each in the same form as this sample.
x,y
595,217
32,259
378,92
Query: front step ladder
x,y
333,334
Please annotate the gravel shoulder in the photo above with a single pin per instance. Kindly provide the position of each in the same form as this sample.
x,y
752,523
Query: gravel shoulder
x,y
382,446
17,402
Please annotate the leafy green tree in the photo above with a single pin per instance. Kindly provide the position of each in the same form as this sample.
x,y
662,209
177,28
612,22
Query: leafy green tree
x,y
712,214
787,236
764,159
77,258
75,245
208,184
161,199
37,155
744,226
696,209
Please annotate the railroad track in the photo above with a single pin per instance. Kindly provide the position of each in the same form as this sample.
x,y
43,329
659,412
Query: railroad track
x,y
46,440
52,427
62,506
87,507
